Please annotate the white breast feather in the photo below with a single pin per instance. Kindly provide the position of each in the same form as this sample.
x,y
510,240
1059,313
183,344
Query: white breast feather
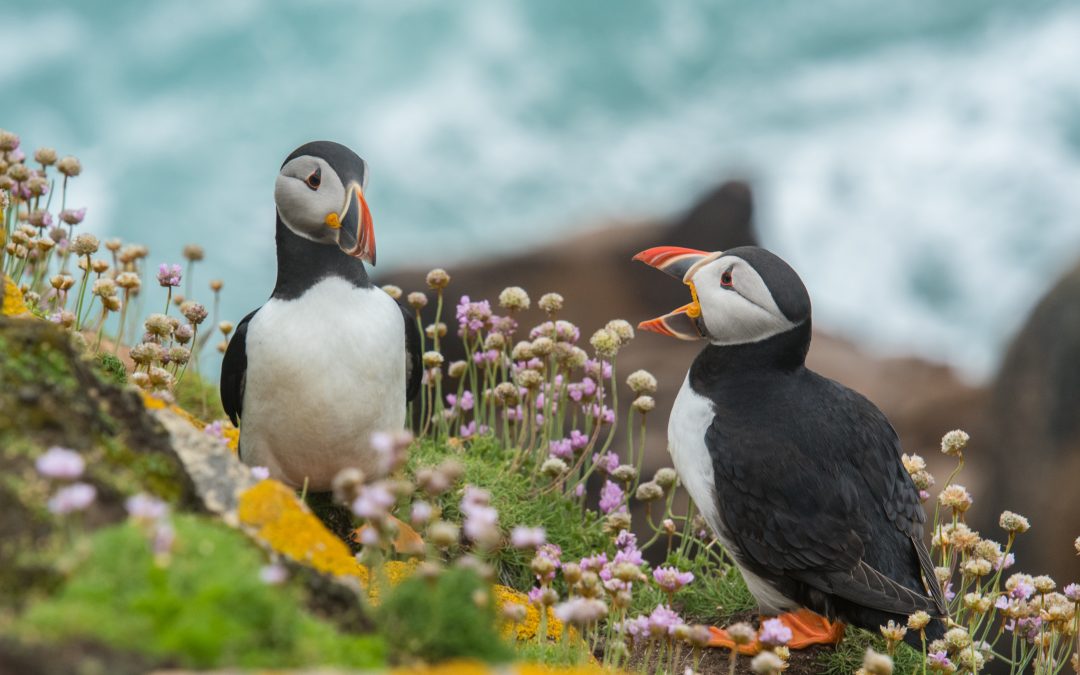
x,y
324,372
690,418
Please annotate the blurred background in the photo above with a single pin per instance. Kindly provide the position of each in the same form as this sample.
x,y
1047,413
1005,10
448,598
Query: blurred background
x,y
918,163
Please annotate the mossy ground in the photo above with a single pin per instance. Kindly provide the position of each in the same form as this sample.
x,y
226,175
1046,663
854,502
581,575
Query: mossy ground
x,y
206,607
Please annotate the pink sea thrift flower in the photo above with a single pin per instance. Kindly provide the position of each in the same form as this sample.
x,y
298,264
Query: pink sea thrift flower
x,y
60,463
274,574
774,633
164,538
260,472
146,507
607,462
611,497
663,621
562,448
74,497
527,537
600,370
472,317
373,502
73,216
671,579
169,275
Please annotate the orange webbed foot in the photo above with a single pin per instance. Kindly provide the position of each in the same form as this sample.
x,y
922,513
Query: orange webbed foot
x,y
719,638
809,628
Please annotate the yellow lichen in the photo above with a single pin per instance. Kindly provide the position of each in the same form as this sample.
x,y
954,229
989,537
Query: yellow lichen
x,y
526,628
231,433
13,299
279,519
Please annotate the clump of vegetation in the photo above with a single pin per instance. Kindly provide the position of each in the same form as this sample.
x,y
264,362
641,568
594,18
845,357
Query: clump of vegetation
x,y
191,594
442,617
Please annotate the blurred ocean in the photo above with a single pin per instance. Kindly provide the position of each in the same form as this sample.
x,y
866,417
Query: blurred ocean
x,y
918,162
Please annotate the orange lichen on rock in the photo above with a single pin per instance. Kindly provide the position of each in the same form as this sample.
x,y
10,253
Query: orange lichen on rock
x,y
13,300
279,519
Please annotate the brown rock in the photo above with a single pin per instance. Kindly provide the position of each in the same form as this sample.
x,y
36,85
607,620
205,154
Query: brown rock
x,y
1034,462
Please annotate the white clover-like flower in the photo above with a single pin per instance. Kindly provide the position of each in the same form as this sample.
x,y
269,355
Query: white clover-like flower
x,y
622,329
766,663
1014,522
437,279
954,442
432,359
417,300
605,342
554,467
955,497
877,664
84,244
644,404
393,291
641,382
514,299
551,302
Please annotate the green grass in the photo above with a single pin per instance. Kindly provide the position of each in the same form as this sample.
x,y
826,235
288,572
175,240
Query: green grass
x,y
206,608
714,597
487,466
848,656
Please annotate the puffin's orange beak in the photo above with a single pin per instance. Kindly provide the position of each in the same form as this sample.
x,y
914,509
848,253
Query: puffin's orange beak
x,y
356,230
680,263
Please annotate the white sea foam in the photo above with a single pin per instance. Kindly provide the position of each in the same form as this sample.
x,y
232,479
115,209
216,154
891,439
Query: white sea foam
x,y
918,165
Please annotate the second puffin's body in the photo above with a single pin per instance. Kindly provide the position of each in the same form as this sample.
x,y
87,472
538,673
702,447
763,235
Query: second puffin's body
x,y
322,404
799,477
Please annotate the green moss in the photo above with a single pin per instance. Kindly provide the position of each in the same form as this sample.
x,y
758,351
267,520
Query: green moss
x,y
449,616
206,608
111,368
848,656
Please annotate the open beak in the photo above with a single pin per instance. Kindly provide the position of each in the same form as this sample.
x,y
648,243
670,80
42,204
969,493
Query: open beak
x,y
356,230
685,322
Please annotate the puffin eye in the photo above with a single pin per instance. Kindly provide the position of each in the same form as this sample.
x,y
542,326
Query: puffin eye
x,y
315,179
725,279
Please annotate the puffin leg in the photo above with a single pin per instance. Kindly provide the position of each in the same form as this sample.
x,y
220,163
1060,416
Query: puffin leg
x,y
809,628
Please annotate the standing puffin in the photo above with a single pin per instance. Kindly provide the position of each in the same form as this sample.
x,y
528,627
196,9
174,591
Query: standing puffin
x,y
330,358
799,477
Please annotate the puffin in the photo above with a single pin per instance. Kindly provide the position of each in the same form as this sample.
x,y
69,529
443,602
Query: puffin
x,y
799,477
330,358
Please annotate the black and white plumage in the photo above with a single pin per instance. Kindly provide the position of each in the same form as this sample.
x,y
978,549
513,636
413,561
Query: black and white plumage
x,y
799,477
330,358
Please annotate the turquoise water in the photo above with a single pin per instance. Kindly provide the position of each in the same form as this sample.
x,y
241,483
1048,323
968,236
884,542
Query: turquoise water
x,y
918,162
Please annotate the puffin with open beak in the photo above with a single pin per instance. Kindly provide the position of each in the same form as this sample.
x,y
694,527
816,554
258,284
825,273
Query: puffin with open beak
x,y
799,477
330,358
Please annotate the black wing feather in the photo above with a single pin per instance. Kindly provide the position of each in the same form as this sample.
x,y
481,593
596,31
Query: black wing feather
x,y
829,506
413,370
234,372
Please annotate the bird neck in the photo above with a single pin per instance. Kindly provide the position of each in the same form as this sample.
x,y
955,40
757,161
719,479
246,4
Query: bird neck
x,y
301,263
781,353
